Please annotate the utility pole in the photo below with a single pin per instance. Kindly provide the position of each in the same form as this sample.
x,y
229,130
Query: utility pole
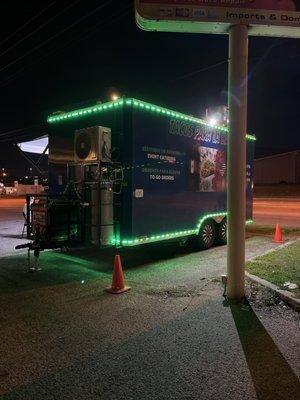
x,y
236,155
213,19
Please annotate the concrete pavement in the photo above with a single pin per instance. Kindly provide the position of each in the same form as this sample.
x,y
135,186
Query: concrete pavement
x,y
11,224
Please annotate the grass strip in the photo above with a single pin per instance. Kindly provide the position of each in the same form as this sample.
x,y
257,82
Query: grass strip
x,y
279,266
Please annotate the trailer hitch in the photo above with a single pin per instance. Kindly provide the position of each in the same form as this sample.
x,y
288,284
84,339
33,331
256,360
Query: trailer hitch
x,y
23,246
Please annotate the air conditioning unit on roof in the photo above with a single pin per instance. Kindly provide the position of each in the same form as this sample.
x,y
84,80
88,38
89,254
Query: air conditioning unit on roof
x,y
92,145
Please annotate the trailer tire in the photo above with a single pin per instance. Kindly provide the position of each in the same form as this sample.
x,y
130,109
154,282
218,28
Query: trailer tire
x,y
221,232
206,236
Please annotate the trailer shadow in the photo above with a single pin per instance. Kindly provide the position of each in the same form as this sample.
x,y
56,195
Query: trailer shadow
x,y
133,257
78,265
56,269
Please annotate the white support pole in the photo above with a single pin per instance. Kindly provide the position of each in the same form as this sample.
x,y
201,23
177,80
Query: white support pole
x,y
236,155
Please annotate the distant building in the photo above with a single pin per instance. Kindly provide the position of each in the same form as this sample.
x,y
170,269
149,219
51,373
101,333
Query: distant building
x,y
28,189
21,190
279,168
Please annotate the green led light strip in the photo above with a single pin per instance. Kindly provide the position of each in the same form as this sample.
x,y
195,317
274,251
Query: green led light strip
x,y
85,111
172,235
214,215
155,238
135,103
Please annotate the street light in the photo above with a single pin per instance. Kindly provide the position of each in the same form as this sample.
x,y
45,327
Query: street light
x,y
212,121
114,96
217,116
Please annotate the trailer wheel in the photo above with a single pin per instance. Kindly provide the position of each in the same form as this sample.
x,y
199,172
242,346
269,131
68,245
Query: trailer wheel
x,y
221,232
206,235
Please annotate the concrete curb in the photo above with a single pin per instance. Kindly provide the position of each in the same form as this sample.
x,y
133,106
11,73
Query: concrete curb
x,y
275,248
285,295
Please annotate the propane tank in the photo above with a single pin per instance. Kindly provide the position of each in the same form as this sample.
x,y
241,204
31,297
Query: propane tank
x,y
106,214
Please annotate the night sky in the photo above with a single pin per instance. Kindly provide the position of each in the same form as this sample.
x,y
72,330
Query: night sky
x,y
55,54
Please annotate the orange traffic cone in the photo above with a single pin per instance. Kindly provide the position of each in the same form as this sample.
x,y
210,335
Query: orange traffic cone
x,y
278,235
118,281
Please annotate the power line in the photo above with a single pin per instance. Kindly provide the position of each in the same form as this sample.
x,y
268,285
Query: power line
x,y
278,42
198,71
69,43
84,36
22,133
56,35
39,28
98,25
27,23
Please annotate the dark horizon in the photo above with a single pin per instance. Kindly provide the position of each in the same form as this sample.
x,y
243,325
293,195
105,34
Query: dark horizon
x,y
70,54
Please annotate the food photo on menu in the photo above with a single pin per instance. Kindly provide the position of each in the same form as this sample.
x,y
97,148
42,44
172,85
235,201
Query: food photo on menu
x,y
206,170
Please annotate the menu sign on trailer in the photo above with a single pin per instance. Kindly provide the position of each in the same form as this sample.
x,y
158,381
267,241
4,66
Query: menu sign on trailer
x,y
263,17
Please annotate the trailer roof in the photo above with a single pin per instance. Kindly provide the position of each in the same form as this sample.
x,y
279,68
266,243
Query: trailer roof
x,y
99,108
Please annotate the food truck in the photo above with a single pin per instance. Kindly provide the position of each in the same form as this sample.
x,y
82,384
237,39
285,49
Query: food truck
x,y
128,173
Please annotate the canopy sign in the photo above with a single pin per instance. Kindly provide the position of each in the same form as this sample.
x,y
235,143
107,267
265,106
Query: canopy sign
x,y
37,146
264,17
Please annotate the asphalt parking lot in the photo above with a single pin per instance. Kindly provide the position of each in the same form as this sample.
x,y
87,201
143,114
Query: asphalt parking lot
x,y
173,336
279,210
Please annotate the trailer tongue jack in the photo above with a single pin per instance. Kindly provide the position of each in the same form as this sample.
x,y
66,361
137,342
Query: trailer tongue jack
x,y
36,247
32,267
